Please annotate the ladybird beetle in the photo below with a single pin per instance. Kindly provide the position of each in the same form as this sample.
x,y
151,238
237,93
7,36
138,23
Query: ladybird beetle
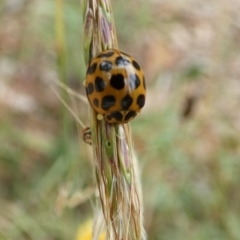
x,y
115,86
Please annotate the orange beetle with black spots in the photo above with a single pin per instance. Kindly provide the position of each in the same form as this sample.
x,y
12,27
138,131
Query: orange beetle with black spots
x,y
115,86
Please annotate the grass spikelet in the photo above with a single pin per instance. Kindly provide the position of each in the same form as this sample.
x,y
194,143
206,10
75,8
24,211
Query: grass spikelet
x,y
115,164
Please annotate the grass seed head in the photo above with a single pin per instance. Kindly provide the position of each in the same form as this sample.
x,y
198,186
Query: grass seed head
x,y
115,164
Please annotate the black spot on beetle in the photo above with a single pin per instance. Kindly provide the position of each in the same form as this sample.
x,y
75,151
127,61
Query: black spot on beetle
x,y
92,68
107,102
134,81
117,81
105,66
141,100
121,61
136,65
117,115
95,102
99,84
105,54
90,88
129,115
144,82
108,117
126,102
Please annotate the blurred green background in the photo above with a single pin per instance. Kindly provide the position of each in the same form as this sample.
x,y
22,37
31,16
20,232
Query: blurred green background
x,y
186,138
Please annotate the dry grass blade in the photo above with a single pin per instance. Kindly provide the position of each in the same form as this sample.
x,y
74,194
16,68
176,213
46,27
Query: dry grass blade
x,y
115,166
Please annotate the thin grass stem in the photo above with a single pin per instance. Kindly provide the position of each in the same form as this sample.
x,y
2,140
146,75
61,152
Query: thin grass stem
x,y
62,70
115,165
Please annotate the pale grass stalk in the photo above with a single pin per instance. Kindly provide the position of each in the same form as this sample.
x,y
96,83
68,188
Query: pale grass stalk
x,y
114,159
62,69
